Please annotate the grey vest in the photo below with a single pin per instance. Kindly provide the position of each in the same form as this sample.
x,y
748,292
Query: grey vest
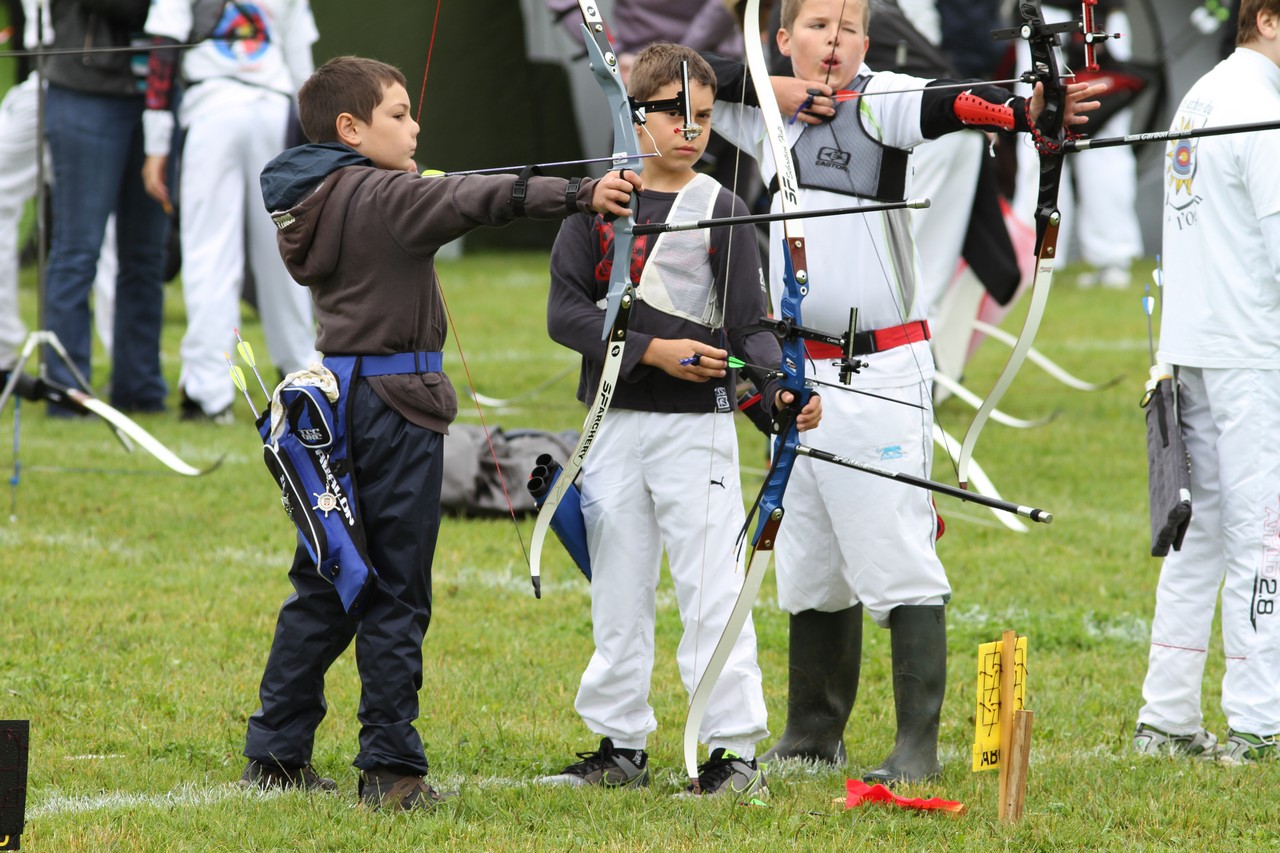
x,y
844,158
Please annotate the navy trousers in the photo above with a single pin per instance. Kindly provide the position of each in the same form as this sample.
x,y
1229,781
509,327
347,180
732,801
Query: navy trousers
x,y
398,470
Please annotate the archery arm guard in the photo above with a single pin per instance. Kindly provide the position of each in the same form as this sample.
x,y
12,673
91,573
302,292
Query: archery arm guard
x,y
981,106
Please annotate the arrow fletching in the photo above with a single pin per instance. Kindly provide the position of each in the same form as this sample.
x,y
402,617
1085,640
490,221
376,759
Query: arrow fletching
x,y
245,351
237,376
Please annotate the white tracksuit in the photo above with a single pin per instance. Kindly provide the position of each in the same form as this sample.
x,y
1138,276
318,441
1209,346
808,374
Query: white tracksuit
x,y
235,110
1222,307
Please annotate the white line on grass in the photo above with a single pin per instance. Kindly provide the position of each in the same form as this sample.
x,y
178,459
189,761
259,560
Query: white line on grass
x,y
194,795
518,582
186,795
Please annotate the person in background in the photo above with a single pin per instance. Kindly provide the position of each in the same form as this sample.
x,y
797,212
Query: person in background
x,y
1221,254
94,128
239,82
19,173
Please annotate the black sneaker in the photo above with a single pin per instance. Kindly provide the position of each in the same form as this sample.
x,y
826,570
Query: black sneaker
x,y
191,411
729,774
269,777
608,766
386,789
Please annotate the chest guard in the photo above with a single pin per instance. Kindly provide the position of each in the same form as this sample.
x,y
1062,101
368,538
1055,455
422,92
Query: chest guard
x,y
305,448
677,277
847,156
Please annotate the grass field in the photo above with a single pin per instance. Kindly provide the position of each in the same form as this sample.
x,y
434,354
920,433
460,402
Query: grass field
x,y
136,610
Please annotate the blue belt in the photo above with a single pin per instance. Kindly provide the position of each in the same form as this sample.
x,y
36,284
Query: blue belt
x,y
401,362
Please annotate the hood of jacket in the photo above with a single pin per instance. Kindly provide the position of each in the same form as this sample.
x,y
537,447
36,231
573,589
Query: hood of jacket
x,y
300,188
295,173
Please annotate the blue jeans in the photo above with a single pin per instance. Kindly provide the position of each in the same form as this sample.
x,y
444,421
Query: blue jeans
x,y
95,142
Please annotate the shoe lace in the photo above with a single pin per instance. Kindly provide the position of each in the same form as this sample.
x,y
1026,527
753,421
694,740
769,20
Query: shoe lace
x,y
600,759
716,770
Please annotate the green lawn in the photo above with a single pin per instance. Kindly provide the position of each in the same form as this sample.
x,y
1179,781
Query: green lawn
x,y
137,610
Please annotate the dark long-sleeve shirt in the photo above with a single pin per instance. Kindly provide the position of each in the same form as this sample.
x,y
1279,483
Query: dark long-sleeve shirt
x,y
580,279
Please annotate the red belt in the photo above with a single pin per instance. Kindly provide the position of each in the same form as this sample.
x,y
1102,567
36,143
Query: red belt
x,y
875,340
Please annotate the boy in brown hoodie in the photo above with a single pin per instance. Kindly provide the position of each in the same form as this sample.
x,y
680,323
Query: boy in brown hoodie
x,y
360,228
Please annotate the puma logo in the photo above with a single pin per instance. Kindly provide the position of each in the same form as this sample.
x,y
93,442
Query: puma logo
x,y
719,482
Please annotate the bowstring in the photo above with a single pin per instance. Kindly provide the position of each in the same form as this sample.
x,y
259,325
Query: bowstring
x,y
431,47
715,423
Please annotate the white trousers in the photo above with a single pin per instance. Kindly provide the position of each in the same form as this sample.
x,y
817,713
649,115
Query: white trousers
x,y
1231,419
18,173
655,480
223,218
848,536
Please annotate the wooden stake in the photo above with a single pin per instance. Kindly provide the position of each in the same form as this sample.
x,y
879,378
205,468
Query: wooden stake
x,y
1017,759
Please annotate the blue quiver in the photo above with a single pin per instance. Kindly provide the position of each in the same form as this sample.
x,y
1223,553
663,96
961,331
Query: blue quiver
x,y
305,448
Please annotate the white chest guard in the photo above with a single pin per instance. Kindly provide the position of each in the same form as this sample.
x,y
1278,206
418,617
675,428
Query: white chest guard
x,y
677,278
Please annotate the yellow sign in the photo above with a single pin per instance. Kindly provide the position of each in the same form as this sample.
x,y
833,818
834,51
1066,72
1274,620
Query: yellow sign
x,y
986,741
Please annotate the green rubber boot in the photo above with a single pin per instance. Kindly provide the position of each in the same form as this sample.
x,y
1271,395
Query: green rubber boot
x,y
918,636
825,655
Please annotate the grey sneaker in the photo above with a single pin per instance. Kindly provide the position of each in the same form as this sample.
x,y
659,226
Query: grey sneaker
x,y
267,777
608,766
1245,748
726,773
1149,740
386,789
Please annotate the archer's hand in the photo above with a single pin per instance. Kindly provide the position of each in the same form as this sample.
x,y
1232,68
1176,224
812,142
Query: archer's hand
x,y
793,94
687,359
613,191
1077,102
808,417
153,174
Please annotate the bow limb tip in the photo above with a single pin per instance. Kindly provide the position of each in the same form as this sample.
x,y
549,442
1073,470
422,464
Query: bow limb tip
x,y
537,587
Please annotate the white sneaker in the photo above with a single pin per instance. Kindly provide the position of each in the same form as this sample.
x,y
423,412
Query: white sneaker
x,y
1245,748
1112,278
1115,278
1149,740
